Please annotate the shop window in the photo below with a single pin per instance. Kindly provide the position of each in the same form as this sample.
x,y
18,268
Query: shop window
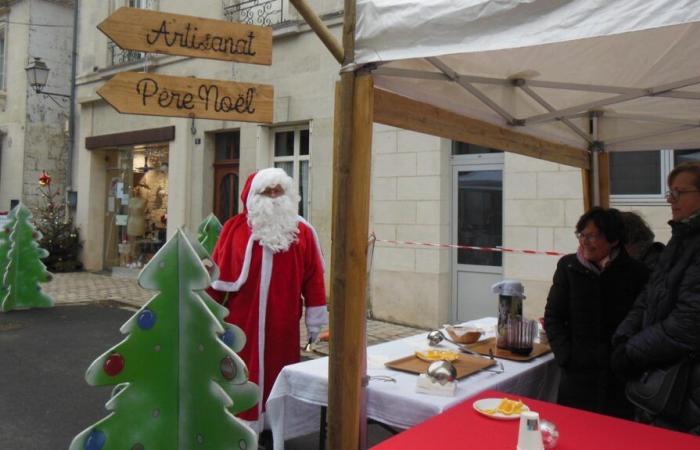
x,y
227,150
640,176
137,202
291,153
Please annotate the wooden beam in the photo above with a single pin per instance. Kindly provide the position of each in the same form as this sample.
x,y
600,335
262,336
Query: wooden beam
x,y
586,188
319,28
403,112
351,183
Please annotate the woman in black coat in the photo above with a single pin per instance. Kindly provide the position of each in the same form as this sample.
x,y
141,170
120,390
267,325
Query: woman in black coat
x,y
592,291
663,328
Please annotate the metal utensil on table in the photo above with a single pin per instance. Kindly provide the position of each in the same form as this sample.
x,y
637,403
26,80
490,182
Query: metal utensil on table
x,y
437,336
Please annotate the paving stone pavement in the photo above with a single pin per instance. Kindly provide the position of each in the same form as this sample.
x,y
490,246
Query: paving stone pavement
x,y
88,287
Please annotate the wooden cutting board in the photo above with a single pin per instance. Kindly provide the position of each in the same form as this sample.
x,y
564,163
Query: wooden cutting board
x,y
484,346
465,365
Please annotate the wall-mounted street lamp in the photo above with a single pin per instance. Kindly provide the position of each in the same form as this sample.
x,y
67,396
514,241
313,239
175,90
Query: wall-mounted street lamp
x,y
38,75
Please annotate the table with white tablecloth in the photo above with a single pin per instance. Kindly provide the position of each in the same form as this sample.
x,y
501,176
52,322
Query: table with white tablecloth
x,y
301,390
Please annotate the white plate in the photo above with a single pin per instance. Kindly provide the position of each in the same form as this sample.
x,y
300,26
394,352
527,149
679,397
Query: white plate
x,y
492,403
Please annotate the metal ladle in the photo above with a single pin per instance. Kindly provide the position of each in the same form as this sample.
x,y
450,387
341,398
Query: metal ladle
x,y
437,336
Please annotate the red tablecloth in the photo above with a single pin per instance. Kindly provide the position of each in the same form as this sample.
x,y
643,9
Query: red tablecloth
x,y
462,427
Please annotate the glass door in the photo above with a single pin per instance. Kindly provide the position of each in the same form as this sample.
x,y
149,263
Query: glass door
x,y
477,220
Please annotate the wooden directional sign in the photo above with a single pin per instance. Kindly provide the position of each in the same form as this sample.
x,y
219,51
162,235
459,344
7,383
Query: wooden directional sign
x,y
145,30
162,95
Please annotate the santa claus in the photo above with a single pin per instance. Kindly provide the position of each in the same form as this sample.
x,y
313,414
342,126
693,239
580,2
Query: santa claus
x,y
270,266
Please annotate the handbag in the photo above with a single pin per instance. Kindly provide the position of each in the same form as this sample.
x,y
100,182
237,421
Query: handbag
x,y
660,391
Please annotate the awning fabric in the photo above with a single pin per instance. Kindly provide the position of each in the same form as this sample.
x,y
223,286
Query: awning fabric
x,y
542,67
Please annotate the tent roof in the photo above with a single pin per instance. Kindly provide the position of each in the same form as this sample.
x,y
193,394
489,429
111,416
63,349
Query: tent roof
x,y
542,67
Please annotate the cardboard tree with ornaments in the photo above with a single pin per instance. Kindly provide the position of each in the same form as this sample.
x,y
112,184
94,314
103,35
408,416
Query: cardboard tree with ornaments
x,y
21,268
208,232
5,231
178,380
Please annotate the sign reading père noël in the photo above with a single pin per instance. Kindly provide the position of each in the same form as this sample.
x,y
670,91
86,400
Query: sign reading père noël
x,y
144,30
163,95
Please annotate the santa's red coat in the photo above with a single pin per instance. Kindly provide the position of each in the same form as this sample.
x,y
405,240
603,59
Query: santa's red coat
x,y
296,280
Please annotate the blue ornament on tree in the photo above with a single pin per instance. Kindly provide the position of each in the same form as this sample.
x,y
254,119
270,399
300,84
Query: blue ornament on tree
x,y
96,440
228,338
146,319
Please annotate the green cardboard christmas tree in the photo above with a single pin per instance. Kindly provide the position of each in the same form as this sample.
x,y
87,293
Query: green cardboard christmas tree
x,y
208,232
5,231
178,380
23,269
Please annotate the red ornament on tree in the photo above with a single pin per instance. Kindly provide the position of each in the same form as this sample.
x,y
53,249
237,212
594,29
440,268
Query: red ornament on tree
x,y
114,364
44,179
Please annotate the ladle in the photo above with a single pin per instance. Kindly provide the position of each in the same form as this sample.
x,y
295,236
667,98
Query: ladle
x,y
437,336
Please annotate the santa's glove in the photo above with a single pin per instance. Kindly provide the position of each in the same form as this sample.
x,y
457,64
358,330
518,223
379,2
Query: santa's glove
x,y
622,366
313,333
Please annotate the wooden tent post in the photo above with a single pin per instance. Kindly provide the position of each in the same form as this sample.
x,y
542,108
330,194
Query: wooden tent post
x,y
351,183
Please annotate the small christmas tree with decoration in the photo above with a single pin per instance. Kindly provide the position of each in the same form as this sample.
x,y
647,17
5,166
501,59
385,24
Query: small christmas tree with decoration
x,y
5,247
23,269
208,232
60,236
178,380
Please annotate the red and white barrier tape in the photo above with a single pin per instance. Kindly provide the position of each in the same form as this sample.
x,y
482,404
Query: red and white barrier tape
x,y
469,247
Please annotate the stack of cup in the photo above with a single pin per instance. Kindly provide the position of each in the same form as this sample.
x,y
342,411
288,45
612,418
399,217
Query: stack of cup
x,y
529,436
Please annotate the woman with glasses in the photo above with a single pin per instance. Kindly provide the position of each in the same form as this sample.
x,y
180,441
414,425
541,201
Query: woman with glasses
x,y
592,291
663,327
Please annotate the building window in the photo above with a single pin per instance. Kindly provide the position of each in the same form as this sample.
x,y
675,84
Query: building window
x,y
227,150
118,56
291,152
640,176
255,12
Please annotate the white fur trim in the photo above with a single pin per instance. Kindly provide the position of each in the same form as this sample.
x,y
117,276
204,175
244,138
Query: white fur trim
x,y
228,286
316,240
270,177
265,276
316,317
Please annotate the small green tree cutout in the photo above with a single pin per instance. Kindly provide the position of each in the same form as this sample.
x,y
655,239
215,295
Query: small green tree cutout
x,y
208,232
178,380
5,231
24,270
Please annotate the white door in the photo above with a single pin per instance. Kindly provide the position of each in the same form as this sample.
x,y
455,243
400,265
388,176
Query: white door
x,y
477,220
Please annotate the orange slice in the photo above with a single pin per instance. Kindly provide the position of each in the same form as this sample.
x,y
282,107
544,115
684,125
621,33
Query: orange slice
x,y
437,355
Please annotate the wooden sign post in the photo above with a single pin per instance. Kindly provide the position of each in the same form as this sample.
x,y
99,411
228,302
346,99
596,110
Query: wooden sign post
x,y
162,95
144,30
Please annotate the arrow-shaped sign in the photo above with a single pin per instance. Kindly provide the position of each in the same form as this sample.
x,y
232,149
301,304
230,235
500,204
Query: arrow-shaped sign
x,y
145,30
162,95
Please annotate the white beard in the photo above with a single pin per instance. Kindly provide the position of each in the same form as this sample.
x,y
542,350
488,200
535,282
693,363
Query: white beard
x,y
273,221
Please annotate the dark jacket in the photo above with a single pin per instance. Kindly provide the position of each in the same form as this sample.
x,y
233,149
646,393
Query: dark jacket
x,y
583,310
664,324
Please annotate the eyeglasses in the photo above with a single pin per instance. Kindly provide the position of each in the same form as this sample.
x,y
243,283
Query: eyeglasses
x,y
587,237
675,194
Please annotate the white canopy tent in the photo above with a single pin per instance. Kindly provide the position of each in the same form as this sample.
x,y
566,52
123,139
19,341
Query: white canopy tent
x,y
543,66
565,81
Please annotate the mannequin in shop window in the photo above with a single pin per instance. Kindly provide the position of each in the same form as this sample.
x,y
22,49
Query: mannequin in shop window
x,y
136,222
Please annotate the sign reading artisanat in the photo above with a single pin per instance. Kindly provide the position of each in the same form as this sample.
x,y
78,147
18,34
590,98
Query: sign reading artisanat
x,y
163,95
145,30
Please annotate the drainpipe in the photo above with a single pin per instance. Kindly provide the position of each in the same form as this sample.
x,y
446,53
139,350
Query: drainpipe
x,y
71,112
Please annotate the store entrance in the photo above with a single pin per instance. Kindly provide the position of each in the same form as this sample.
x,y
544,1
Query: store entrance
x,y
136,206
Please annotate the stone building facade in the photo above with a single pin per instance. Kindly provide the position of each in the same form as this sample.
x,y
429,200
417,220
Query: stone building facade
x,y
33,127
